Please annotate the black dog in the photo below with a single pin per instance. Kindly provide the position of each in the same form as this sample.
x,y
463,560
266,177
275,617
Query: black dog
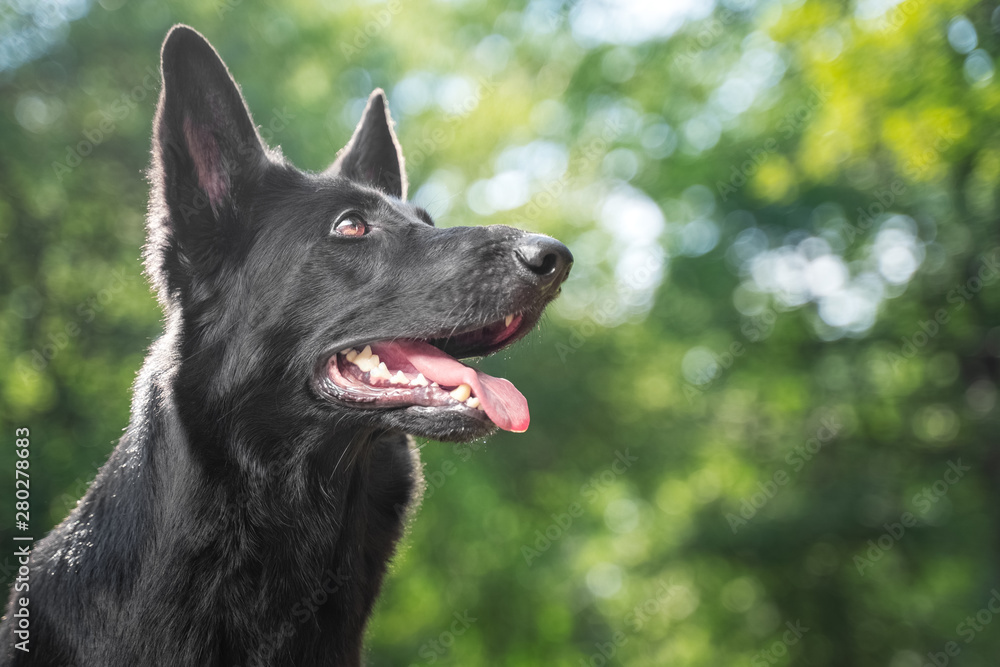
x,y
312,320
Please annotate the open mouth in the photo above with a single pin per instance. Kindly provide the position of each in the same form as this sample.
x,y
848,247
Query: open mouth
x,y
426,372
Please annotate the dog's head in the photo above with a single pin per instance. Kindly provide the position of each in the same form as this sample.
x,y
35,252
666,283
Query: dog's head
x,y
328,290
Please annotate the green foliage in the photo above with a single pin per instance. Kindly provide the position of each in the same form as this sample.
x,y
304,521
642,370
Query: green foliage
x,y
780,339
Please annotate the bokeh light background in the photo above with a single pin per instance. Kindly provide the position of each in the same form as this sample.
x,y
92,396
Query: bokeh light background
x,y
764,426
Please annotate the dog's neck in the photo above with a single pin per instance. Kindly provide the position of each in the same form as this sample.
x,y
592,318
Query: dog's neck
x,y
300,539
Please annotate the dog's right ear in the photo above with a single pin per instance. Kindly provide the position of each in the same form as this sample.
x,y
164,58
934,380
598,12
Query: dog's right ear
x,y
206,150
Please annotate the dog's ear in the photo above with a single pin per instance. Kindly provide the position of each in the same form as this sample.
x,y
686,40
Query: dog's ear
x,y
207,156
206,149
373,155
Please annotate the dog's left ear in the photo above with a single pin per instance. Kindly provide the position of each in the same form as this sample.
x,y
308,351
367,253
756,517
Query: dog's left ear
x,y
373,155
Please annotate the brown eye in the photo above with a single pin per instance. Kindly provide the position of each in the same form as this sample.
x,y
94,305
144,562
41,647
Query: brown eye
x,y
350,226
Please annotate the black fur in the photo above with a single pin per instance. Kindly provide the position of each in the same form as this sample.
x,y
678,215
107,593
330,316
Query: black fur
x,y
247,516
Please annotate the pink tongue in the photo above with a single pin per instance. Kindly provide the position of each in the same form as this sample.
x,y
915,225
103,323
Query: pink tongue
x,y
501,400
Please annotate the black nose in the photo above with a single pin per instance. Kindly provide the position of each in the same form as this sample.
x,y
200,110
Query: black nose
x,y
545,257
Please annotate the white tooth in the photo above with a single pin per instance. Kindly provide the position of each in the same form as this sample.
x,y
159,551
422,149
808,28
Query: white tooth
x,y
508,320
473,402
381,371
365,353
419,381
461,392
351,354
435,385
399,378
368,363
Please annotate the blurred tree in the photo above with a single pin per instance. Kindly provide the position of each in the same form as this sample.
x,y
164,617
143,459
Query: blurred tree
x,y
765,407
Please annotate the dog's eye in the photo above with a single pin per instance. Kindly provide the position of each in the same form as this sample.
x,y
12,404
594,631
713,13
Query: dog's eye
x,y
350,226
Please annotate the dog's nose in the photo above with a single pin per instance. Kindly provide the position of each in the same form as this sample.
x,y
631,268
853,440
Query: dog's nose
x,y
545,257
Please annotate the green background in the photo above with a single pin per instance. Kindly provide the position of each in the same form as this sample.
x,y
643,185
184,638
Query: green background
x,y
783,314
